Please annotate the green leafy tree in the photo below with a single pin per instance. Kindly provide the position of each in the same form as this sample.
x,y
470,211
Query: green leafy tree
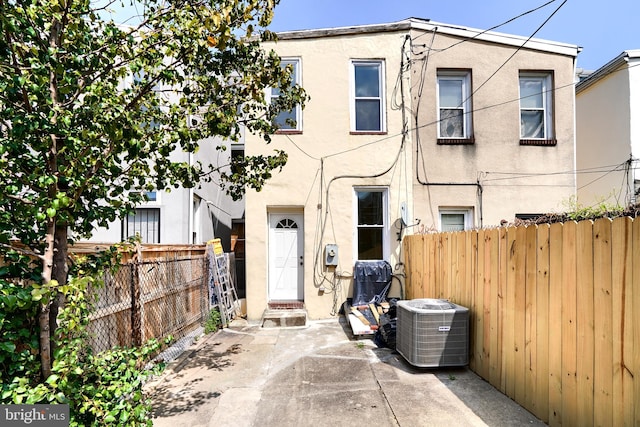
x,y
90,112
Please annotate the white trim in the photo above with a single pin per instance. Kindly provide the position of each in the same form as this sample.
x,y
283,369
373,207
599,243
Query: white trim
x,y
297,63
467,212
386,239
381,88
427,25
547,102
496,37
465,78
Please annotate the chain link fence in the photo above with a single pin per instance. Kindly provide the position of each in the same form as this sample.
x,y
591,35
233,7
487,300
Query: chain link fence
x,y
149,299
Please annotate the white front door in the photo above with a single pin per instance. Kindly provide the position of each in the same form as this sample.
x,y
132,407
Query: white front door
x,y
285,257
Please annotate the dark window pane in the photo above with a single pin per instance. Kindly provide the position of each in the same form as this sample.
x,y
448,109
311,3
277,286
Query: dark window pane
x,y
286,119
369,243
367,80
452,222
370,208
532,124
368,114
451,124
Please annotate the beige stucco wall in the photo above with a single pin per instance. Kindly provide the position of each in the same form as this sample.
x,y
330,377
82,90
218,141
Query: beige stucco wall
x,y
330,152
603,128
326,156
496,153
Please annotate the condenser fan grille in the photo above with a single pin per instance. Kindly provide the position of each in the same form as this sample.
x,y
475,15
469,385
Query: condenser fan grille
x,y
433,333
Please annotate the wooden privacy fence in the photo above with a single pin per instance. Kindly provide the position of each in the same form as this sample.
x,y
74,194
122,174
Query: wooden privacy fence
x,y
555,312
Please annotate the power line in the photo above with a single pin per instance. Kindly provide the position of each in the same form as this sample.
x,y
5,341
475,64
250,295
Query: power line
x,y
484,31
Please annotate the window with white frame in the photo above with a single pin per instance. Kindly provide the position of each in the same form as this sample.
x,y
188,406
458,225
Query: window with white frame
x,y
144,222
367,103
371,223
292,119
454,104
456,219
536,116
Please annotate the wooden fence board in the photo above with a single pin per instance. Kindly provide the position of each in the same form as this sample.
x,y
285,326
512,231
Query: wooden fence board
x,y
486,303
478,308
502,289
542,323
635,321
429,287
603,361
569,337
445,265
555,322
508,348
584,324
530,319
520,315
494,309
620,278
460,276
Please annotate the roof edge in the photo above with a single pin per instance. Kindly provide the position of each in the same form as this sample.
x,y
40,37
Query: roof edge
x,y
608,68
428,25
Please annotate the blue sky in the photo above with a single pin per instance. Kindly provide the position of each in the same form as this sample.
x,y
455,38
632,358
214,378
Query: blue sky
x,y
602,28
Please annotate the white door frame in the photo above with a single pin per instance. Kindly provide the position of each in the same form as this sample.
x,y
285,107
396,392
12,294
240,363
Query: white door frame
x,y
285,256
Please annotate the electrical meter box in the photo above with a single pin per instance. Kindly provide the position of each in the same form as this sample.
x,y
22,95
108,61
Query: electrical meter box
x,y
331,255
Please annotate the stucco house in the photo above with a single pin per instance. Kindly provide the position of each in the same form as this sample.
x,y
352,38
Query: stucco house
x,y
412,126
184,216
608,132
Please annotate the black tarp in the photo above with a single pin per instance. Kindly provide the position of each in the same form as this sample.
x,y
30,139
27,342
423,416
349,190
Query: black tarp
x,y
371,282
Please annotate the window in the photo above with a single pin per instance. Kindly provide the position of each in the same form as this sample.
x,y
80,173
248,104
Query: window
x,y
289,120
535,106
237,157
454,105
144,222
367,108
371,228
455,219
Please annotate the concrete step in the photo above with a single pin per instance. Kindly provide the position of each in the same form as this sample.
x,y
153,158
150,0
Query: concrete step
x,y
273,318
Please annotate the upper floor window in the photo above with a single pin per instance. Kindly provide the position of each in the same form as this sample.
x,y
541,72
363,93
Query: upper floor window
x,y
289,120
367,104
536,100
454,105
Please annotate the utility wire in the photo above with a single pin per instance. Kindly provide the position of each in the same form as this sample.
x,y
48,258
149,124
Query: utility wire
x,y
484,31
488,107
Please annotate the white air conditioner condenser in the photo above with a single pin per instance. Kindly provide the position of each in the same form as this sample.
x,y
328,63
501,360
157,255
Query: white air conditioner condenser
x,y
432,332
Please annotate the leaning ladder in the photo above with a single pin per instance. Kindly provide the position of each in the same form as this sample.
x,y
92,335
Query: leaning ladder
x,y
223,293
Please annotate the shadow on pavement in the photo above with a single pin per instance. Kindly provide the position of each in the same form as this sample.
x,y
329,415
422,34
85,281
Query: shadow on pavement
x,y
184,393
